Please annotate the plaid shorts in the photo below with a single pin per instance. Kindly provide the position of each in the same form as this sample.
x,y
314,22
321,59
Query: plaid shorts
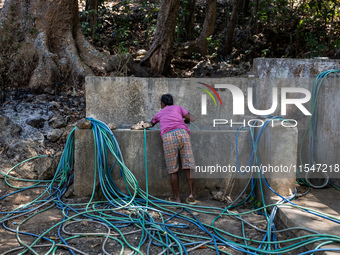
x,y
177,143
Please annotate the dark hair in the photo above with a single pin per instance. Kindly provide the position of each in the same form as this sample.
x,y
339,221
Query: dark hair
x,y
167,99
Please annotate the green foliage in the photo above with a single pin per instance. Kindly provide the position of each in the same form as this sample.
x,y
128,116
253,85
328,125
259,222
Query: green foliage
x,y
265,52
196,55
315,46
122,25
278,28
255,203
180,32
214,45
150,10
320,24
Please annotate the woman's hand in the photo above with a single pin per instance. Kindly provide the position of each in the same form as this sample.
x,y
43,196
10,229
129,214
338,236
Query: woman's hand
x,y
189,118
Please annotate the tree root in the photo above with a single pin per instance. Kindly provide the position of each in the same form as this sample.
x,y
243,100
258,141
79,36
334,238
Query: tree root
x,y
44,73
56,51
92,57
186,49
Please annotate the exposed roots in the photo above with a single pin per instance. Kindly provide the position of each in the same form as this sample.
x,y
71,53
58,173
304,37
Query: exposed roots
x,y
67,65
44,73
92,57
78,67
186,49
55,52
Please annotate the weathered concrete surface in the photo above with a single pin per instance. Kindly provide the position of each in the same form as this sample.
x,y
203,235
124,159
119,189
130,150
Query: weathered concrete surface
x,y
278,156
321,200
127,100
327,143
209,148
292,68
84,162
301,73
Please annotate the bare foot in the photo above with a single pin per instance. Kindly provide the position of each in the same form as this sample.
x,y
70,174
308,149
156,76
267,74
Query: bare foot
x,y
173,199
191,200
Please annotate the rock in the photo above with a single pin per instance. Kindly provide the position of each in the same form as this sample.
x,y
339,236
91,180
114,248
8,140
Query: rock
x,y
37,136
20,150
55,104
44,168
66,133
224,65
29,98
218,195
36,122
85,223
54,135
203,69
137,70
141,52
112,126
84,124
222,69
3,186
57,122
8,129
49,91
76,102
41,168
69,192
41,98
141,125
74,93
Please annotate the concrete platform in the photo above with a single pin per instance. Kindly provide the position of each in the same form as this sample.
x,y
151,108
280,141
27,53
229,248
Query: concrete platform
x,y
209,148
323,200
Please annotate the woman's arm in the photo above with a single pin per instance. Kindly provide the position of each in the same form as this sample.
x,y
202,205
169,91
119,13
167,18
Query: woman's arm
x,y
189,118
152,124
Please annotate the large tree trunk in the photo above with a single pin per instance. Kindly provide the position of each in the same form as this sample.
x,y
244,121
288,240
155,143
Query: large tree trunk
x,y
227,48
190,20
246,8
92,7
208,26
55,48
160,53
201,43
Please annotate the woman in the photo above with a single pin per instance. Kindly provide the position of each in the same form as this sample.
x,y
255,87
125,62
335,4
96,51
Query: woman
x,y
176,142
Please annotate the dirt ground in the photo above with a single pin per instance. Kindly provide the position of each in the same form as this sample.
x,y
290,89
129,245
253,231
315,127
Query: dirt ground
x,y
46,219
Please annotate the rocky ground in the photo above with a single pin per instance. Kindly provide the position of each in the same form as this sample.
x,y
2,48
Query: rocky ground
x,y
33,125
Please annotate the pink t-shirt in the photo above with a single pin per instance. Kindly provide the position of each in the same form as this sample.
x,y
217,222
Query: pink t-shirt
x,y
171,118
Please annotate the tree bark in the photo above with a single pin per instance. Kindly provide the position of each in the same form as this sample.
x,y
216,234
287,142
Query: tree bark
x,y
208,26
92,18
230,29
160,53
55,47
201,43
190,20
246,8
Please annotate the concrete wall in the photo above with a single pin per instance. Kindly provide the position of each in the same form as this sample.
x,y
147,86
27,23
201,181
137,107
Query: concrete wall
x,y
301,73
292,68
278,156
127,100
209,148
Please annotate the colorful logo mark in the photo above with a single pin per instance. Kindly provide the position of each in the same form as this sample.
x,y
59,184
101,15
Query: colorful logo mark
x,y
204,97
